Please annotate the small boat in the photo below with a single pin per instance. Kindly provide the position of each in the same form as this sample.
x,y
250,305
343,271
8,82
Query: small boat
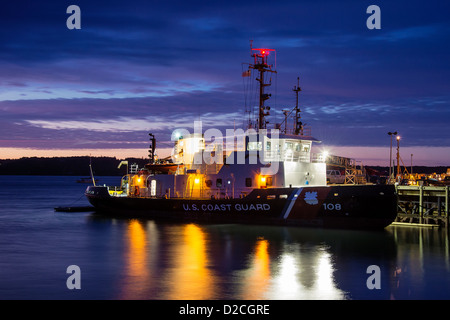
x,y
257,176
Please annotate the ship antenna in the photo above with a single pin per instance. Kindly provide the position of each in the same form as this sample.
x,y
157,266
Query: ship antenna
x,y
151,149
298,122
90,168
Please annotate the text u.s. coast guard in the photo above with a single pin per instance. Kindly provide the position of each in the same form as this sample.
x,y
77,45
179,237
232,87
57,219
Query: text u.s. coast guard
x,y
226,207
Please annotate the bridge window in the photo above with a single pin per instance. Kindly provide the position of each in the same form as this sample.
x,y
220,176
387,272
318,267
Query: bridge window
x,y
288,146
153,188
254,146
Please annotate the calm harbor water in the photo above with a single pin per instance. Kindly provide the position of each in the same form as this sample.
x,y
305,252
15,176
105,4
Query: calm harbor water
x,y
145,259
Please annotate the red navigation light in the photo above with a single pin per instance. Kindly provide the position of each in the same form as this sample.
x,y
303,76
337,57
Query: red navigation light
x,y
263,52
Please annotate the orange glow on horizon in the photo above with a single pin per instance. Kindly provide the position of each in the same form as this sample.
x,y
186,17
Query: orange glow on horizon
x,y
370,156
17,153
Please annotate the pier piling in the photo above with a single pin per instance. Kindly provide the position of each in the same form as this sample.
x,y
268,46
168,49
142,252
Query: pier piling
x,y
423,205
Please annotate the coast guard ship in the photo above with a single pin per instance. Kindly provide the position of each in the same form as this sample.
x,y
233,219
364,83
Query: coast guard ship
x,y
257,176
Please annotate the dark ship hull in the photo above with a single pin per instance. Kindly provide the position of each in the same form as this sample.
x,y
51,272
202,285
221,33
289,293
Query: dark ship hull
x,y
346,206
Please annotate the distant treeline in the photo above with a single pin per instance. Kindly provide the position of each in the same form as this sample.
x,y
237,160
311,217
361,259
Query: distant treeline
x,y
66,166
107,166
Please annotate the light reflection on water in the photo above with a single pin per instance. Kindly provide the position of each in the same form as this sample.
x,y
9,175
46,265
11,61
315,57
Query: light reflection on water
x,y
190,267
144,259
189,276
190,261
422,269
257,272
195,263
137,271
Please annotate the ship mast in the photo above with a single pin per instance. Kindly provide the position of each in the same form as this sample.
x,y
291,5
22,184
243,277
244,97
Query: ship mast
x,y
262,67
298,122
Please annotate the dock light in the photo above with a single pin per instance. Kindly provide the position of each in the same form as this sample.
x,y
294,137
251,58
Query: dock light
x,y
139,180
390,156
263,179
197,181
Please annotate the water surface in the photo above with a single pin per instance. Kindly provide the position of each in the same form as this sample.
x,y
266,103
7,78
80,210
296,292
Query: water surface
x,y
146,259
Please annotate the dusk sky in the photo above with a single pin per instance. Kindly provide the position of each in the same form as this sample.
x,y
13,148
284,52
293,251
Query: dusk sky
x,y
137,67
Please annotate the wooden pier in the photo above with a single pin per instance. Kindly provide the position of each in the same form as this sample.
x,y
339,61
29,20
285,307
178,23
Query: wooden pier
x,y
423,206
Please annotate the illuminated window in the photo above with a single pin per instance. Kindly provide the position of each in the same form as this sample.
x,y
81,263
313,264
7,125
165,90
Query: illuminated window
x,y
153,188
254,146
288,145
